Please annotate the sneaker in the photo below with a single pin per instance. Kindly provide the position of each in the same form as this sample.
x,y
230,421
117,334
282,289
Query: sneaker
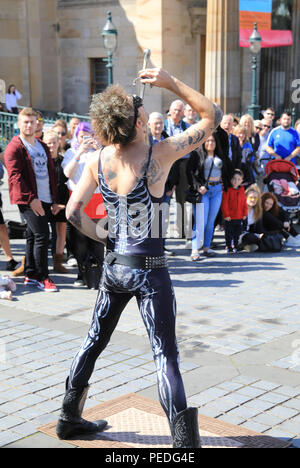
x,y
72,262
251,247
30,281
229,250
209,253
188,244
79,281
293,241
12,265
47,285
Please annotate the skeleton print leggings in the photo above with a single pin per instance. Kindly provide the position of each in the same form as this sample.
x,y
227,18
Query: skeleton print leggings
x,y
155,297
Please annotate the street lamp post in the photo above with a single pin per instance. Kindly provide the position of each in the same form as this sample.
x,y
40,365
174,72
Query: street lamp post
x,y
110,40
255,48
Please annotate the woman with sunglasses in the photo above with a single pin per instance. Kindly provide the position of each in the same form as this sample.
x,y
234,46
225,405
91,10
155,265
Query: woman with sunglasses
x,y
58,222
247,122
264,157
132,176
60,127
248,156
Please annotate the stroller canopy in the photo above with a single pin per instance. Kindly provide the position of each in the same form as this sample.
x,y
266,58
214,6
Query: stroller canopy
x,y
280,165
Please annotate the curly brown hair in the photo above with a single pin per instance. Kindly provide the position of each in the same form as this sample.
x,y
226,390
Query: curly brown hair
x,y
275,208
113,116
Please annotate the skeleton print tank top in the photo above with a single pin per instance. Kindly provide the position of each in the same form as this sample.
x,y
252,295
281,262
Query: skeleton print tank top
x,y
135,219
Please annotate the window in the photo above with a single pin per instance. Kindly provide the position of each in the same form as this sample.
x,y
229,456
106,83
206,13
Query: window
x,y
275,88
99,75
282,14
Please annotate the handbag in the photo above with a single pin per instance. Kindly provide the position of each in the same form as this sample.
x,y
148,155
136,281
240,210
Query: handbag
x,y
192,195
92,272
16,230
271,242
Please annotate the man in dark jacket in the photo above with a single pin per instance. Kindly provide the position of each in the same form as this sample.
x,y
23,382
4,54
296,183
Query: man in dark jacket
x,y
156,134
32,186
175,125
230,143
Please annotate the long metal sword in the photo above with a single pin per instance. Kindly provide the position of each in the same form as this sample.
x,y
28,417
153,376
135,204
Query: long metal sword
x,y
147,54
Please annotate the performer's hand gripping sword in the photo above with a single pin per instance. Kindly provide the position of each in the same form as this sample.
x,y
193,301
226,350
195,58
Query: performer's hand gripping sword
x,y
147,53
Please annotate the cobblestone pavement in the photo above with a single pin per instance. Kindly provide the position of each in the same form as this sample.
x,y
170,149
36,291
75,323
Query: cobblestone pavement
x,y
238,328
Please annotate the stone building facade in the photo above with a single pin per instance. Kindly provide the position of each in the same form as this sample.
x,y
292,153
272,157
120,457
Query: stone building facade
x,y
52,49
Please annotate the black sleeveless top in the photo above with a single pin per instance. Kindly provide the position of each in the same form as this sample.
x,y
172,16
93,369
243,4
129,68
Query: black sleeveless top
x,y
134,220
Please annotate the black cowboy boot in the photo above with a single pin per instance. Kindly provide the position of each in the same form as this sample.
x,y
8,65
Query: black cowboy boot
x,y
70,423
184,429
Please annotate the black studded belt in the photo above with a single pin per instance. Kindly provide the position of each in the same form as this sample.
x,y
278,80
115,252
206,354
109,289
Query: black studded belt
x,y
136,261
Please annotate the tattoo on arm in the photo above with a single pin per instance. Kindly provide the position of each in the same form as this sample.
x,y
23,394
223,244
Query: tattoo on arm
x,y
183,141
110,174
108,171
218,115
154,173
74,216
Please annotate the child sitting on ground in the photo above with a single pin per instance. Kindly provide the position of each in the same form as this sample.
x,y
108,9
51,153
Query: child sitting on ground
x,y
234,210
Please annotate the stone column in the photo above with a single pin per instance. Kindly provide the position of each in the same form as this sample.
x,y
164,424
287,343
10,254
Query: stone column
x,y
42,51
222,77
148,29
198,28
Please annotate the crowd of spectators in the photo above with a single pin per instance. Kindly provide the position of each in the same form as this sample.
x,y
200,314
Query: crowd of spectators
x,y
226,170
226,175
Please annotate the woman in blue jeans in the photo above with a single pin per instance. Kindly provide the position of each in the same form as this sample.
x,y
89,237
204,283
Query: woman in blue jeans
x,y
206,171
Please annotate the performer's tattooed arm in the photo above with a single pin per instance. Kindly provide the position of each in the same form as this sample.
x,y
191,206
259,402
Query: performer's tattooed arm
x,y
190,138
218,115
74,214
173,148
77,203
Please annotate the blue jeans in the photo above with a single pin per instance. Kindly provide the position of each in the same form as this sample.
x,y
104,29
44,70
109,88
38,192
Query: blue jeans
x,y
198,226
212,201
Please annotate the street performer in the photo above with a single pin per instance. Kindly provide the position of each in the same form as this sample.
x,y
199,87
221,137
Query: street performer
x,y
132,177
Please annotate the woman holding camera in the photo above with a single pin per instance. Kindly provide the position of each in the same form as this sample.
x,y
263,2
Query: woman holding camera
x,y
86,251
59,221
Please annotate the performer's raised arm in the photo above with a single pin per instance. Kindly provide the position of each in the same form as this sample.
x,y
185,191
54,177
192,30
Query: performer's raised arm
x,y
175,147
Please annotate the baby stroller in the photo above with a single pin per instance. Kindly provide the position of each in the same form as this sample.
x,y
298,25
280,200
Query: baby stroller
x,y
282,178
